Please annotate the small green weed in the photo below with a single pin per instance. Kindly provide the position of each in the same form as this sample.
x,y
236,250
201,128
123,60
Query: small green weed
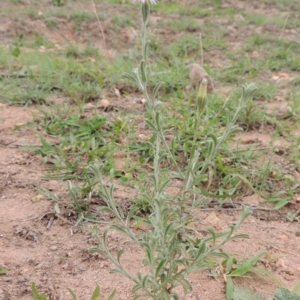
x,y
17,1
58,2
32,14
185,47
80,16
234,269
51,23
185,24
3,270
95,295
85,138
121,22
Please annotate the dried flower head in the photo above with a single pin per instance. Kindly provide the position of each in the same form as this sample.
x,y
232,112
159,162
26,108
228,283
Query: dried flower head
x,y
146,1
197,74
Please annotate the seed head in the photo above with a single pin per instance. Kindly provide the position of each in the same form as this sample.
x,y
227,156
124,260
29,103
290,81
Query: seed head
x,y
197,74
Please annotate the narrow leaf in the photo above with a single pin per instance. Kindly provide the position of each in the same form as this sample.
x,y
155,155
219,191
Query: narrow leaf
x,y
120,252
112,295
36,294
159,267
143,71
297,287
229,289
156,89
136,288
118,228
73,294
96,293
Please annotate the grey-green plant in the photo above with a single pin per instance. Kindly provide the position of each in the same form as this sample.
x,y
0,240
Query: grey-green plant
x,y
248,294
285,294
171,251
240,293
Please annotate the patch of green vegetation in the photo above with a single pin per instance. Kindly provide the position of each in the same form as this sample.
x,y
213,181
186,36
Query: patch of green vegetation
x,y
185,47
262,19
80,16
40,40
76,72
5,59
294,155
284,57
284,5
276,53
122,21
56,12
21,92
37,75
95,295
213,42
266,91
81,140
184,24
290,21
32,13
169,8
217,12
200,10
58,2
17,1
240,69
74,52
51,23
258,42
296,81
112,2
172,74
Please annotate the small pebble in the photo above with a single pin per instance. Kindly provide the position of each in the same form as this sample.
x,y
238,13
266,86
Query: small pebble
x,y
104,103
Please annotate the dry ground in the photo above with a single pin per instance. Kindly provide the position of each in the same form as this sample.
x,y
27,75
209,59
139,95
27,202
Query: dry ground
x,y
55,255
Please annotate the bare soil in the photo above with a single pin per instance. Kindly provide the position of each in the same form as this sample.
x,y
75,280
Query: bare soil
x,y
54,254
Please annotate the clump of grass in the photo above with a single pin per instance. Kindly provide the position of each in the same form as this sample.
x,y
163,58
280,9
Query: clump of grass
x,y
185,24
121,22
51,23
80,16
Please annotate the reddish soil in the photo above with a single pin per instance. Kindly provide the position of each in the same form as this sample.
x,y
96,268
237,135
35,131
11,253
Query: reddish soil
x,y
55,255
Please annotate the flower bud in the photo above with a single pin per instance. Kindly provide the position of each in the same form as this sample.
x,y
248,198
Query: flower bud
x,y
202,95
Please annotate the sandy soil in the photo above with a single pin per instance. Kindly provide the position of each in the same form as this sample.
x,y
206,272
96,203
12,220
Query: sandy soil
x,y
37,247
